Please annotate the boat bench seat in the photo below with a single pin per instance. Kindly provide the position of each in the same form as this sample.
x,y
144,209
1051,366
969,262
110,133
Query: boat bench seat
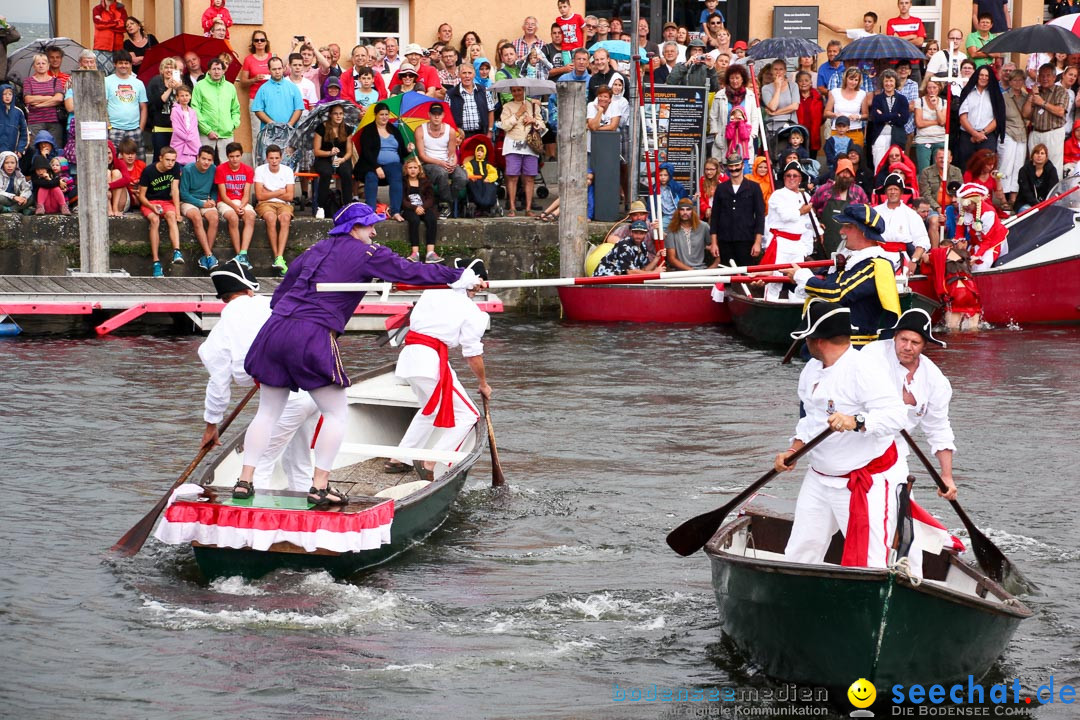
x,y
393,451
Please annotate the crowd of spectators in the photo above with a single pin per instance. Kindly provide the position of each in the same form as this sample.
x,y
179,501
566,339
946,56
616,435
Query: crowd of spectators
x,y
1009,128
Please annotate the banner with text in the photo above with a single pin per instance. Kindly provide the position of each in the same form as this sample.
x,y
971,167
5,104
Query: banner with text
x,y
676,127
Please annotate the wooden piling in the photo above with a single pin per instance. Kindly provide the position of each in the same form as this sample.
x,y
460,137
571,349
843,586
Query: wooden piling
x,y
92,152
573,165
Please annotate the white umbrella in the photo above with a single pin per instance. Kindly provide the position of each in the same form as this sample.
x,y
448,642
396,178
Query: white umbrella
x,y
21,62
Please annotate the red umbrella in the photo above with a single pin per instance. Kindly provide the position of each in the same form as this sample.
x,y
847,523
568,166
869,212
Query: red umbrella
x,y
179,45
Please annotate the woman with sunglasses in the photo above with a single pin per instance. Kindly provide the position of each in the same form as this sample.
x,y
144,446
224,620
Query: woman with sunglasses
x,y
254,72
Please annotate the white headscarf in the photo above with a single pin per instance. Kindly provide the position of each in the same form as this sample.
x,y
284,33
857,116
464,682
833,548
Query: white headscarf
x,y
619,104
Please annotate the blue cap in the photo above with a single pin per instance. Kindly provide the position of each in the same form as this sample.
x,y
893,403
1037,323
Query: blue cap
x,y
866,217
639,225
356,213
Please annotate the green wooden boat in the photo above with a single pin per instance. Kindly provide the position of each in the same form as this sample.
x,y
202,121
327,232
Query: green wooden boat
x,y
827,625
771,322
380,409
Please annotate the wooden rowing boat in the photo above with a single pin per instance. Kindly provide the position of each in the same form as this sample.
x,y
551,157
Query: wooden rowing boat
x,y
387,514
827,625
655,303
772,321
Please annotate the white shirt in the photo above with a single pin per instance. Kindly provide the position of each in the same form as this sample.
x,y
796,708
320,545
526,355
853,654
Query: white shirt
x,y
938,66
903,224
978,109
854,384
226,347
857,33
932,392
853,259
307,92
784,215
273,182
447,315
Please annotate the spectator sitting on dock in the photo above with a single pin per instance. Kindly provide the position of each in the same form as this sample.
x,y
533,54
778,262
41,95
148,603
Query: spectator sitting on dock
x,y
630,257
274,187
14,187
128,164
159,197
234,180
197,193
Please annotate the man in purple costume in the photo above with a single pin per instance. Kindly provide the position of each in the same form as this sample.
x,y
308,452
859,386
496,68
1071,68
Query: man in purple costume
x,y
297,347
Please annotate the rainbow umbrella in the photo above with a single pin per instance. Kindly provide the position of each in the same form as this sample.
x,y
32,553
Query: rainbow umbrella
x,y
409,111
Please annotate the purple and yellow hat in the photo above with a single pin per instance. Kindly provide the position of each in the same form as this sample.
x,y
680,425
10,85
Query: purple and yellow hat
x,y
356,213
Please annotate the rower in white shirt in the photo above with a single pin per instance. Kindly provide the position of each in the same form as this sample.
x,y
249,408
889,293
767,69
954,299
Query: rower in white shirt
x,y
853,476
788,230
223,353
440,321
903,226
926,394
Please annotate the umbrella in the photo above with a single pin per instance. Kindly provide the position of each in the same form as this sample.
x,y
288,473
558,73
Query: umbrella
x,y
300,146
617,49
21,62
410,110
1035,38
880,47
179,45
533,86
784,47
1070,22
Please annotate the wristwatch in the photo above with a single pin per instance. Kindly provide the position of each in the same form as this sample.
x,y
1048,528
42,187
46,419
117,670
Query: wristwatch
x,y
860,422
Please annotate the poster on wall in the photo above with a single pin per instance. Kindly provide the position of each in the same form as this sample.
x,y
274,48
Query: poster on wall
x,y
246,12
679,129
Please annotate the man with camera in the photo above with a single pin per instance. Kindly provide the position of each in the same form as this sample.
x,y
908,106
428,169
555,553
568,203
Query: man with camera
x,y
695,71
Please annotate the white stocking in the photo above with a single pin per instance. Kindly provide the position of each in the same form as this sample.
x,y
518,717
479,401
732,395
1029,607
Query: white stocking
x,y
334,405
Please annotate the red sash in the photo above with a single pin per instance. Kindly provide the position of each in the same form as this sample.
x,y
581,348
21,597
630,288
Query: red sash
x,y
443,397
769,258
857,538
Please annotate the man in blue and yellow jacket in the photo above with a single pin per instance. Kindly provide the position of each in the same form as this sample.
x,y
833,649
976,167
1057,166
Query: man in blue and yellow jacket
x,y
866,284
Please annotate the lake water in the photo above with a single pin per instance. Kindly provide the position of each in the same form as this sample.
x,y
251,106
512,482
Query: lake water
x,y
531,602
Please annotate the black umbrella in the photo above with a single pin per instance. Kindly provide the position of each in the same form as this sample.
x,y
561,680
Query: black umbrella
x,y
784,47
1034,38
880,47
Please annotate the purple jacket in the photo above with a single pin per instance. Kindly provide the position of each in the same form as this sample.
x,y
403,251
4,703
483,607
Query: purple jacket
x,y
343,258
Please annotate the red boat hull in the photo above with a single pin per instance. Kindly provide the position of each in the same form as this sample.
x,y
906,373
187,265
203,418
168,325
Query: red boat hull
x,y
642,304
1048,293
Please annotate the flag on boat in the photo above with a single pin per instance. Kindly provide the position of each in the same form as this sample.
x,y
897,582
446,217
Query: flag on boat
x,y
238,526
930,534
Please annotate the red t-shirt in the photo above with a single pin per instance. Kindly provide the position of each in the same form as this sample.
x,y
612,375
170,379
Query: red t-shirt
x,y
573,31
234,180
910,26
254,67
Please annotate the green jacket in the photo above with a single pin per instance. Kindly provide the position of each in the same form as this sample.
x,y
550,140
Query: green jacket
x,y
217,106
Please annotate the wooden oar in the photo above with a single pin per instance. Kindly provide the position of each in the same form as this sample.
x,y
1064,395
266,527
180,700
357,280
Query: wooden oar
x,y
497,477
692,535
133,539
707,273
990,558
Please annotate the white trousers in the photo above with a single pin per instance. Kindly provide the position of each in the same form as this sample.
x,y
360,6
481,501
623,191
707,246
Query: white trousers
x,y
1011,157
787,251
821,510
1055,145
422,426
881,146
290,442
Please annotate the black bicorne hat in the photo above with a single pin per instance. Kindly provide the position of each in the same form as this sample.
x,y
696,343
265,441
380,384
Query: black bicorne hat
x,y
916,320
474,264
232,277
823,319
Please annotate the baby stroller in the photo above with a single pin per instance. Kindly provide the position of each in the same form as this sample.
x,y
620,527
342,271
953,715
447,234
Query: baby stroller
x,y
482,194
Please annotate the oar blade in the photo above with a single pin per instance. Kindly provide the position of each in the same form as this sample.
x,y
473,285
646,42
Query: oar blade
x,y
696,532
997,566
133,540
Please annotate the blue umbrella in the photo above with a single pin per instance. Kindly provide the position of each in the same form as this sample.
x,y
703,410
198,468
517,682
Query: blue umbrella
x,y
617,49
880,47
784,47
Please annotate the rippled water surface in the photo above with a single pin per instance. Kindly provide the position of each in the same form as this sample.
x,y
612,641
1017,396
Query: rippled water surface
x,y
531,602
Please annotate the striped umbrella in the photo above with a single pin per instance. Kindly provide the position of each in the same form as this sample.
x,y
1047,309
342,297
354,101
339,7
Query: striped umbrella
x,y
880,47
1070,22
